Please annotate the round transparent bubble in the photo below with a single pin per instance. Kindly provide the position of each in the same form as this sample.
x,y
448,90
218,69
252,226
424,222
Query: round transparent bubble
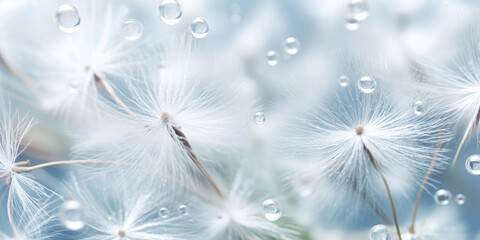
x,y
380,232
67,18
199,28
358,9
367,84
272,210
170,12
259,118
351,24
419,108
164,213
343,81
460,199
291,46
442,197
473,164
132,29
183,210
71,215
272,58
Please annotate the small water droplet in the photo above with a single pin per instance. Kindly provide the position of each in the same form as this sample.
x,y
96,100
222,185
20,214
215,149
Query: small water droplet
x,y
164,213
343,80
473,164
183,210
73,89
259,118
419,108
351,24
272,58
358,9
380,232
67,18
460,199
71,215
442,197
367,84
170,12
132,29
291,46
199,28
272,210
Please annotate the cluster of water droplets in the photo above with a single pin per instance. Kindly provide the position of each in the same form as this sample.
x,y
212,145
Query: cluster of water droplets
x,y
291,46
67,18
380,232
443,197
182,210
272,210
356,13
366,84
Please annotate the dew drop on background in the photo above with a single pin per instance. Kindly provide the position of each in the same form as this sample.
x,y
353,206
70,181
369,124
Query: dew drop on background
x,y
272,58
272,210
419,108
291,46
442,197
170,12
358,9
67,18
351,24
259,118
460,199
367,84
132,30
380,232
71,215
183,210
343,80
199,28
473,164
164,213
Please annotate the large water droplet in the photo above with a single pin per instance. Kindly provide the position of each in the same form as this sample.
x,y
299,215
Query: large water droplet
x,y
163,213
419,108
259,118
183,210
442,197
358,9
170,12
291,46
460,199
199,28
272,58
343,80
367,84
71,215
351,24
132,29
67,18
473,164
272,210
380,232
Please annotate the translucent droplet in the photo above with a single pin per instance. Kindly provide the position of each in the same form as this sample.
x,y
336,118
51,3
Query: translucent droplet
x,y
442,197
132,29
73,89
291,46
71,215
343,80
183,210
380,232
272,210
170,12
473,164
351,24
259,118
164,213
367,84
199,27
460,199
419,108
272,58
358,9
67,18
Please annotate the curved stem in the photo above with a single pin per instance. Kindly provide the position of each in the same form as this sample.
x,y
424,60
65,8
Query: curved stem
x,y
16,234
472,123
21,167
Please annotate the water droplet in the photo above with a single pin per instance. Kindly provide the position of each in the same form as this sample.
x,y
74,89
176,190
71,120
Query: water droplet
x,y
380,232
73,89
367,84
419,108
199,28
235,19
132,29
183,210
67,18
272,58
358,9
343,80
259,118
442,197
272,210
164,213
71,215
291,46
351,24
460,199
473,164
170,12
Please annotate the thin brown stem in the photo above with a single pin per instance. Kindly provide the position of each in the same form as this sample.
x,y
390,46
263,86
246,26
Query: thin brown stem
x,y
22,167
472,123
16,234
